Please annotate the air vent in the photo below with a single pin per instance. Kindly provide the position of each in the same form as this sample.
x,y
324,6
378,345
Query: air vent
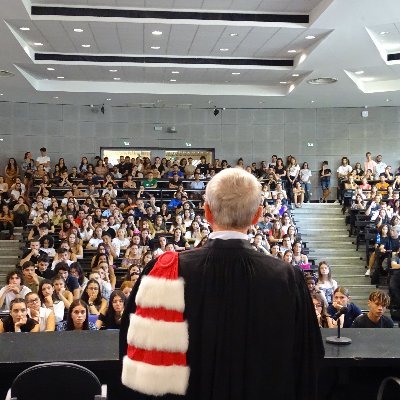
x,y
322,81
5,74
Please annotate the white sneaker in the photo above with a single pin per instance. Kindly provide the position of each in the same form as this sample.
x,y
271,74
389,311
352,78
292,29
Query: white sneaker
x,y
368,273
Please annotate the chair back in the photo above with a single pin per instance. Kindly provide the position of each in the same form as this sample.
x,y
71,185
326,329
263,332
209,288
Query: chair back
x,y
56,380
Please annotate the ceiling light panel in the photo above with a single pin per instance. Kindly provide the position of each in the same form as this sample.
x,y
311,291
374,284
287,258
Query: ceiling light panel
x,y
159,74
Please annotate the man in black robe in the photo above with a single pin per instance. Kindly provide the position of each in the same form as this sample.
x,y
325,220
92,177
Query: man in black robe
x,y
253,332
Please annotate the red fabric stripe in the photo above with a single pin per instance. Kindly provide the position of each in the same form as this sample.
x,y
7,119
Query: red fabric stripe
x,y
155,357
166,266
160,314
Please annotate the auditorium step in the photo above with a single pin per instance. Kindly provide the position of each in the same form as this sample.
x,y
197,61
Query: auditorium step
x,y
323,228
10,252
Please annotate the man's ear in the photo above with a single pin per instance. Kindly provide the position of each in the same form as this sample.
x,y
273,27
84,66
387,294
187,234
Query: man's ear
x,y
207,213
257,215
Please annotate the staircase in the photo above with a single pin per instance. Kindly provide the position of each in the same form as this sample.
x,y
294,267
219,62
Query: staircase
x,y
323,228
10,252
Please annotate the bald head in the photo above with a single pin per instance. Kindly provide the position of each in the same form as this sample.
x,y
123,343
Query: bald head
x,y
233,197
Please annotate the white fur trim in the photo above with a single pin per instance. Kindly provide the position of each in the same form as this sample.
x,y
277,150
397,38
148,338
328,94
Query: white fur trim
x,y
153,379
149,334
161,292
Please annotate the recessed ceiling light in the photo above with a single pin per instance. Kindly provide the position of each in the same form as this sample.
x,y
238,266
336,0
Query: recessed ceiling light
x,y
322,81
172,80
113,70
233,34
235,73
1,139
117,79
283,82
175,72
50,69
60,77
1,94
38,44
295,75
108,99
86,45
155,47
156,33
292,51
387,100
383,33
312,101
359,72
260,102
79,30
55,97
25,28
310,37
224,49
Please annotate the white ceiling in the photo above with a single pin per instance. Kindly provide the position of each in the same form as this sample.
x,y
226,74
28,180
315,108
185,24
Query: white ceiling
x,y
350,36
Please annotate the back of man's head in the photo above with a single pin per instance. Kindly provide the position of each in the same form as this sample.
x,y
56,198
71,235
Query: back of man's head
x,y
233,197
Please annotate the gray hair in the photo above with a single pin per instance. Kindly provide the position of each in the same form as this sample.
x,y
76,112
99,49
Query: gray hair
x,y
233,196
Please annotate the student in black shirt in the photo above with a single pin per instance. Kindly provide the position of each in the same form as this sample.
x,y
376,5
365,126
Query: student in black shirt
x,y
377,304
18,320
112,318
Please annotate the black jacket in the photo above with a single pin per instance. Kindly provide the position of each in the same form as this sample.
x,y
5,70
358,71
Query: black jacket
x,y
253,332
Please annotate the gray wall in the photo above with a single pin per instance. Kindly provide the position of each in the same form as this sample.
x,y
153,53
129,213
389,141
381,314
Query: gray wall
x,y
72,131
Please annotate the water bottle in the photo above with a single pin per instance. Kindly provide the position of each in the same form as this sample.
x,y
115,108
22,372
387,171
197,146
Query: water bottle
x,y
378,238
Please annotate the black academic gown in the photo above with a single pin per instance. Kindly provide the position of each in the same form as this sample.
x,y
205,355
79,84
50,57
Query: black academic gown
x,y
253,332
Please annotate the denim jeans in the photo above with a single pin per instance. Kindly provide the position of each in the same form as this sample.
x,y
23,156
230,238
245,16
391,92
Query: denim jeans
x,y
307,190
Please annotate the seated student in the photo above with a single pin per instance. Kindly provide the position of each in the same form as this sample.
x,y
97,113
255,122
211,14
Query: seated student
x,y
299,258
259,244
176,202
325,282
382,244
126,288
18,320
96,239
100,274
382,185
62,255
312,288
55,297
92,296
47,245
341,298
33,253
43,316
377,303
179,241
43,269
324,320
76,270
71,283
31,279
14,289
77,319
150,182
111,319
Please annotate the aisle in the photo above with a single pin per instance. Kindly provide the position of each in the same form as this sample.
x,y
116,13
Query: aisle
x,y
323,227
